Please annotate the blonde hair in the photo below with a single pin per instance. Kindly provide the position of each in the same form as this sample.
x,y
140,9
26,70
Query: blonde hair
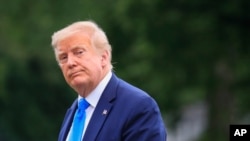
x,y
97,36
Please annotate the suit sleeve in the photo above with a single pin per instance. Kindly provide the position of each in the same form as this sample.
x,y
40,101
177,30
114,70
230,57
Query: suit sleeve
x,y
145,123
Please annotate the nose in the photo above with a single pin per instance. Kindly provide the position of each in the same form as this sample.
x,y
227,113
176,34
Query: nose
x,y
71,61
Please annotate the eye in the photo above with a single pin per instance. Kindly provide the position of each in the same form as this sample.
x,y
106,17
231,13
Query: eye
x,y
62,58
79,52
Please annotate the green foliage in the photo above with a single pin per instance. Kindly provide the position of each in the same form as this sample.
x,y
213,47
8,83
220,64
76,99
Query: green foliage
x,y
178,51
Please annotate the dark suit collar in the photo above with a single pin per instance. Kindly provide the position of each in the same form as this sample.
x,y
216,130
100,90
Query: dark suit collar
x,y
102,109
67,121
109,92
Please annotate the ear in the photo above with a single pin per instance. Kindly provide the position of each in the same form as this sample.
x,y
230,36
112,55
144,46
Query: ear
x,y
105,58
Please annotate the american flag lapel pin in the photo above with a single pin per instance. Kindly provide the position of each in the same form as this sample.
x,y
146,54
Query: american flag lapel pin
x,y
104,112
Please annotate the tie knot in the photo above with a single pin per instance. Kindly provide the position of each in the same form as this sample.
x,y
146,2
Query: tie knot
x,y
83,104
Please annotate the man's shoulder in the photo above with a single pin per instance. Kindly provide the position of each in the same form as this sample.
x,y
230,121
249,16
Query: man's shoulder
x,y
127,91
132,92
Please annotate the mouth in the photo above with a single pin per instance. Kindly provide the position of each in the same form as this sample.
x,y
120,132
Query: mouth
x,y
74,74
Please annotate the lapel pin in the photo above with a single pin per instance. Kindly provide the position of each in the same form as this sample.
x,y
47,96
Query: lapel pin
x,y
105,112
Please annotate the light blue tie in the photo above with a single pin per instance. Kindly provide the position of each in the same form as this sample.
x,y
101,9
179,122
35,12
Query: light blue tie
x,y
79,120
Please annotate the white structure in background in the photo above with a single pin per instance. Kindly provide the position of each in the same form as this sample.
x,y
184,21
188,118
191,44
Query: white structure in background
x,y
192,124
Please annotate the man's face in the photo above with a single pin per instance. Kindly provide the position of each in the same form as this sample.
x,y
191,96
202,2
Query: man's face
x,y
80,62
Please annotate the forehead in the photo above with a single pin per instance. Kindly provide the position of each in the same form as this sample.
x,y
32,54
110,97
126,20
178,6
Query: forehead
x,y
74,40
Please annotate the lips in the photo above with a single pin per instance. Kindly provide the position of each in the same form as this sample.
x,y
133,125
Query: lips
x,y
74,74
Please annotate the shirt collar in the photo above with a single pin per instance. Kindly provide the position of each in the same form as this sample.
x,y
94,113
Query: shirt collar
x,y
95,95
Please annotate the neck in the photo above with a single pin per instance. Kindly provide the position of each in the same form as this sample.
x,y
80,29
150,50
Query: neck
x,y
84,91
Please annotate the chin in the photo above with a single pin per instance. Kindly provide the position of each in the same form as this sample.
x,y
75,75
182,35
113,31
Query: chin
x,y
77,83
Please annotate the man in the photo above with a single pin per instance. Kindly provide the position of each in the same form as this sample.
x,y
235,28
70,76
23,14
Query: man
x,y
115,110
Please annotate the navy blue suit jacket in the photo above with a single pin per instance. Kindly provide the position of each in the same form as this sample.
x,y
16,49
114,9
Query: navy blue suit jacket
x,y
131,115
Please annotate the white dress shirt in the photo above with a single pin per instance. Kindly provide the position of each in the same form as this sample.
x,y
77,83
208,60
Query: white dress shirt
x,y
93,99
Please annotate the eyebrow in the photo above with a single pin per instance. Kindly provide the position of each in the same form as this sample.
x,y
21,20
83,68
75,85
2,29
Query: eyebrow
x,y
79,47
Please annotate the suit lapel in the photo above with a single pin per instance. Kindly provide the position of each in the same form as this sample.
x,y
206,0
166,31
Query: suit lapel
x,y
67,122
102,110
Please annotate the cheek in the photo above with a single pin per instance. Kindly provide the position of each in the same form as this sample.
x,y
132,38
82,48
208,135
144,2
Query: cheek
x,y
91,62
64,72
96,65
